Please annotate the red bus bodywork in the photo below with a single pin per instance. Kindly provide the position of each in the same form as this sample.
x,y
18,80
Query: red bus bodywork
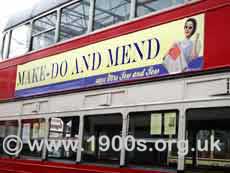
x,y
216,55
25,166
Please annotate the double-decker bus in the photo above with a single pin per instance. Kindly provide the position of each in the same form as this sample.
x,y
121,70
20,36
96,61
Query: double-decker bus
x,y
125,75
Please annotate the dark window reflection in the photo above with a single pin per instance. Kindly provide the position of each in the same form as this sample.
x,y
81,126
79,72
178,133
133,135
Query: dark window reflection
x,y
97,126
7,128
151,126
32,129
203,125
61,129
224,137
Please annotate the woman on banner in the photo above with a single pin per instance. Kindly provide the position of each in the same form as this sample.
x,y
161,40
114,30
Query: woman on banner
x,y
183,52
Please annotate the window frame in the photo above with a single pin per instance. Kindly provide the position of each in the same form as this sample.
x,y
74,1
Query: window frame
x,y
151,139
162,112
3,154
186,2
84,142
63,137
5,45
114,24
54,28
27,43
89,22
31,121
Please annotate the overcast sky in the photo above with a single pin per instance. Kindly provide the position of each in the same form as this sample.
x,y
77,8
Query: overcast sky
x,y
9,7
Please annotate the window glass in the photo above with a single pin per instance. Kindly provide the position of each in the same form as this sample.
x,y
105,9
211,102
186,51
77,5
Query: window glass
x,y
43,32
4,46
44,23
203,135
108,12
1,46
64,129
153,124
19,41
74,20
219,158
150,127
147,6
204,128
32,130
7,128
94,128
43,40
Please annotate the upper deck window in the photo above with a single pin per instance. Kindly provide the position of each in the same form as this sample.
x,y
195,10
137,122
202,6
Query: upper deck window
x,y
19,41
108,12
43,32
74,20
147,6
4,45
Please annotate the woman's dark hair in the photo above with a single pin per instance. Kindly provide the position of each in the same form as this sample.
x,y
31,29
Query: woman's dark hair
x,y
194,24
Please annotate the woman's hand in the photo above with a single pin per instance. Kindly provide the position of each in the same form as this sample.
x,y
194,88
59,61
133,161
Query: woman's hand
x,y
195,53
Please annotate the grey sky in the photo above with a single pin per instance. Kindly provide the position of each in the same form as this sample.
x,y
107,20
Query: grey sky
x,y
9,7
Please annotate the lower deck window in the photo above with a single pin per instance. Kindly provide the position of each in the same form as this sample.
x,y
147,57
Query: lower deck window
x,y
96,127
32,130
150,127
7,128
64,129
202,124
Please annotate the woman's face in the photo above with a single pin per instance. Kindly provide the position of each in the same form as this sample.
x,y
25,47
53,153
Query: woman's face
x,y
188,28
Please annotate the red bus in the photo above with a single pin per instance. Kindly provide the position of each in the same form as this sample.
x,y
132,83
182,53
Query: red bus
x,y
136,85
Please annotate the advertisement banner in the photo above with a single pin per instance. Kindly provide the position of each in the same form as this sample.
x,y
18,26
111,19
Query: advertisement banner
x,y
174,47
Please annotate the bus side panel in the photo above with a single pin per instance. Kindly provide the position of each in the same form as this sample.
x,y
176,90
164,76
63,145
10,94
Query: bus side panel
x,y
217,39
7,82
29,166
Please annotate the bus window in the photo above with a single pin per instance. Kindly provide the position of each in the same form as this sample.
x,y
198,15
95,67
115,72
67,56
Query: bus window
x,y
1,46
224,137
109,12
4,46
64,129
7,128
202,126
32,130
19,41
43,31
94,128
74,20
150,127
147,6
